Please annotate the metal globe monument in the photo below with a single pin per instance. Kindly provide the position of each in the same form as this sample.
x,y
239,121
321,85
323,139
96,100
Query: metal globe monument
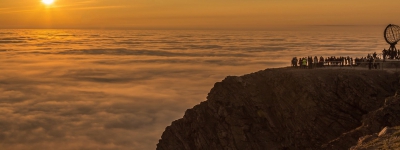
x,y
392,35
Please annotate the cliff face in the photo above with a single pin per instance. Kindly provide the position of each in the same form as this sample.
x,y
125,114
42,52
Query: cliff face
x,y
285,109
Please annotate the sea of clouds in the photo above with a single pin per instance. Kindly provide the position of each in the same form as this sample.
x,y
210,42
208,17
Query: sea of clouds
x,y
117,89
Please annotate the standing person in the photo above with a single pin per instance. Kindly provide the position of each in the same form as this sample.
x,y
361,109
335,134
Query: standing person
x,y
370,60
301,62
310,62
341,60
294,62
348,60
291,62
351,61
321,61
304,63
384,53
315,61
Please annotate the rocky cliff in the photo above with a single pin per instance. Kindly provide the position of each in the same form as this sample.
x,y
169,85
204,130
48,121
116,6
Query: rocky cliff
x,y
387,139
288,109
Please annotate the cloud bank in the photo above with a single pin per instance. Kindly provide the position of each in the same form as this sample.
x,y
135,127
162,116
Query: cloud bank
x,y
83,89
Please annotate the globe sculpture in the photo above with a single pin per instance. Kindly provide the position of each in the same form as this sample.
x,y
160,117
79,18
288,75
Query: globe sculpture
x,y
392,35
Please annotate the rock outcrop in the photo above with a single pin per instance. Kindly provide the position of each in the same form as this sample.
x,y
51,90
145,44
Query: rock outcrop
x,y
287,109
387,139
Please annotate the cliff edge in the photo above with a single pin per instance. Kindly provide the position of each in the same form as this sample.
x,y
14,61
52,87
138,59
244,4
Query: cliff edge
x,y
288,109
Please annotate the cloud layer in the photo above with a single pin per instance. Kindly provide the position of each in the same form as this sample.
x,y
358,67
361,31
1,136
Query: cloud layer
x,y
82,89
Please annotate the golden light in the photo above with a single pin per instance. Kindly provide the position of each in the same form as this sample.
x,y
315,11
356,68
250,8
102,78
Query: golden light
x,y
48,2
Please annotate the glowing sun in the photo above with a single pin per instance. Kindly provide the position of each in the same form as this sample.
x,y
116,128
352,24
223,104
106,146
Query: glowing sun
x,y
48,2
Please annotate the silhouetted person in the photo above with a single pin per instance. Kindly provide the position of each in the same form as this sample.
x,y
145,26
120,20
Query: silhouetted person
x,y
301,62
351,61
315,61
370,60
342,60
321,61
294,62
384,53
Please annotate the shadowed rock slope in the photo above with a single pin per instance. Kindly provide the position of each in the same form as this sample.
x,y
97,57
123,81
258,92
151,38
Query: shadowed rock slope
x,y
388,138
285,109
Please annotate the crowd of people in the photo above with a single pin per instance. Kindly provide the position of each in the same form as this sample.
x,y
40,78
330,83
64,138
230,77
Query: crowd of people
x,y
314,62
391,54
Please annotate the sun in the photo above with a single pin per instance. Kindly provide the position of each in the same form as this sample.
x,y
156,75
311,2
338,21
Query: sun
x,y
48,2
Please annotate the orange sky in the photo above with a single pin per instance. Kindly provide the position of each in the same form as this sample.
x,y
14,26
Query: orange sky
x,y
196,14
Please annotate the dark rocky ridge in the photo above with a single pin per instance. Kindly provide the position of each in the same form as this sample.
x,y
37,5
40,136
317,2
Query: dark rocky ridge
x,y
284,109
